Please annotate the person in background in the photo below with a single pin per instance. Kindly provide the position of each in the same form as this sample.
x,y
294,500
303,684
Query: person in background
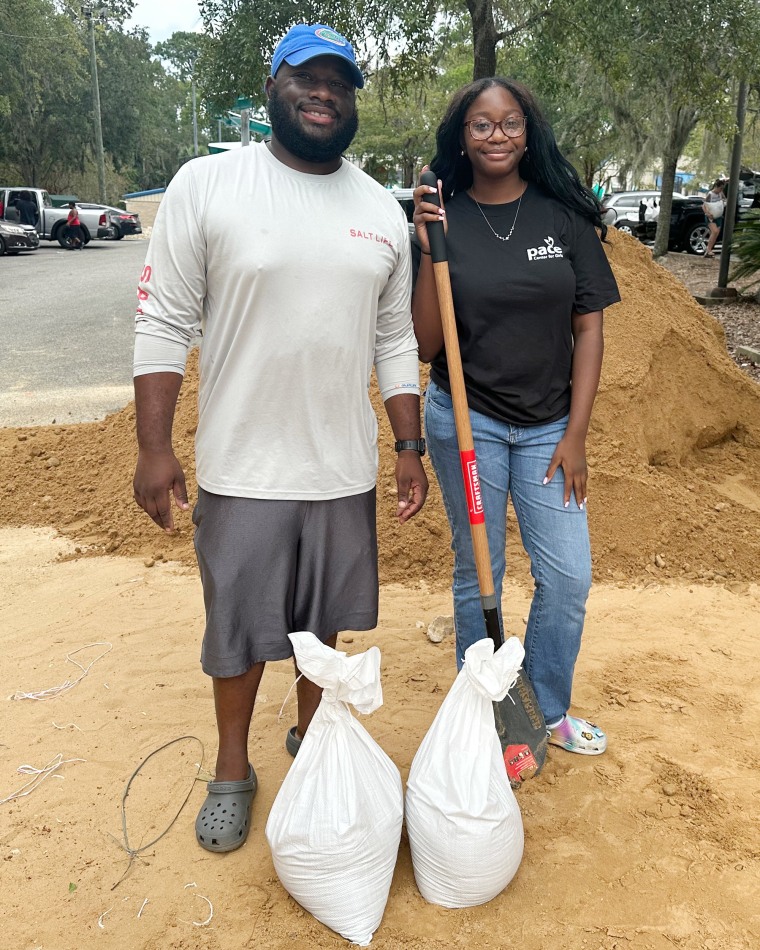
x,y
74,227
530,281
27,209
714,207
297,267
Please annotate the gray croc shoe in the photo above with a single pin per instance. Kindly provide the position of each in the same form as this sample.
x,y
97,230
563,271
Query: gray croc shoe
x,y
224,819
292,742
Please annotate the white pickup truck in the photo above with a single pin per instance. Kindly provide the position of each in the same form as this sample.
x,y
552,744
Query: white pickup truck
x,y
51,222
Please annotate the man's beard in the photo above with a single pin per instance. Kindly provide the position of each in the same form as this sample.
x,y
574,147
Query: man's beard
x,y
309,148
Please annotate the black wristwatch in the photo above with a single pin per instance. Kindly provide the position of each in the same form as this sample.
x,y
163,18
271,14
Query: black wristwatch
x,y
415,445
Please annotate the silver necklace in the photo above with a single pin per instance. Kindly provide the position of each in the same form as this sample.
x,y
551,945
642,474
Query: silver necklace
x,y
495,234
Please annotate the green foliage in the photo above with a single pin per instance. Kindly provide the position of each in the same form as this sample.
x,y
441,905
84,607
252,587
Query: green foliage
x,y
675,61
244,34
129,81
112,11
397,126
582,121
46,106
182,50
746,246
44,117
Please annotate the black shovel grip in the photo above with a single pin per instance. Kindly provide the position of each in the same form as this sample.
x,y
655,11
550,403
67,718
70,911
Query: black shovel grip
x,y
435,231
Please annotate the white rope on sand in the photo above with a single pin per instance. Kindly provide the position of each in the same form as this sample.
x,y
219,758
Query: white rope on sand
x,y
287,696
200,923
39,776
68,684
142,908
104,914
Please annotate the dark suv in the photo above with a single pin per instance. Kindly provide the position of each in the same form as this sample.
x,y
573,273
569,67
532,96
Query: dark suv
x,y
688,227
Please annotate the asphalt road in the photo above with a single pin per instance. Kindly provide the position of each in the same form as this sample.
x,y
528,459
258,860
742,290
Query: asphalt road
x,y
67,320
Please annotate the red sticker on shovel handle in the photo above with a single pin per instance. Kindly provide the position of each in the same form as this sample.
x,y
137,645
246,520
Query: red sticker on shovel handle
x,y
472,487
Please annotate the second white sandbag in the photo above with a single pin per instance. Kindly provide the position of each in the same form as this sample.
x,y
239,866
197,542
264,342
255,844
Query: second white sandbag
x,y
335,826
464,823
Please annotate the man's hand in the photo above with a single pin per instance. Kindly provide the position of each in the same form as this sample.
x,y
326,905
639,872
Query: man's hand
x,y
412,484
158,476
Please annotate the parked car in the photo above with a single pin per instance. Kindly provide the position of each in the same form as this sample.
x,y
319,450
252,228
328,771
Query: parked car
x,y
51,222
15,237
689,230
625,205
122,222
405,197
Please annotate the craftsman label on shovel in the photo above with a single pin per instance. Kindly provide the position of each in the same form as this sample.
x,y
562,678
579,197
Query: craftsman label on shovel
x,y
472,487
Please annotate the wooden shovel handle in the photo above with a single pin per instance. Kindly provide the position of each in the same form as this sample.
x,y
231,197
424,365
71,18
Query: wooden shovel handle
x,y
459,398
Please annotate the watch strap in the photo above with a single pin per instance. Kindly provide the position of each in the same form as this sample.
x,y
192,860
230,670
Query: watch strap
x,y
413,445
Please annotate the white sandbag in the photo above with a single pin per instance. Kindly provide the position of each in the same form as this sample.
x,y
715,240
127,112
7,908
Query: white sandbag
x,y
464,824
335,825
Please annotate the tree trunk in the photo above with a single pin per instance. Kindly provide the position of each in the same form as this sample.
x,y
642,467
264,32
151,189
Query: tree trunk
x,y
484,38
681,122
669,163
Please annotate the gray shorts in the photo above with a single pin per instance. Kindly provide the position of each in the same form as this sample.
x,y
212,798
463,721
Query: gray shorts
x,y
270,568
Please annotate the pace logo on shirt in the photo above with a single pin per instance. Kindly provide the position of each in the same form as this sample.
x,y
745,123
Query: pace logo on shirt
x,y
545,253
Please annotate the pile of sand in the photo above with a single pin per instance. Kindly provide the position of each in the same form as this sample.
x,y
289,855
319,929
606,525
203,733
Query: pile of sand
x,y
674,456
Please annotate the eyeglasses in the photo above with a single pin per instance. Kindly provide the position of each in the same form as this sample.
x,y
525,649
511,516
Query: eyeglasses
x,y
482,129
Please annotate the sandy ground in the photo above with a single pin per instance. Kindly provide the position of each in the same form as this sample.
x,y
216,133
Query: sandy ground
x,y
654,845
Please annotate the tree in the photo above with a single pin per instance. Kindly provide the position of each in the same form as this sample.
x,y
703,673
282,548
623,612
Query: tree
x,y
130,81
583,123
108,11
44,103
181,50
243,35
46,115
397,127
494,22
679,59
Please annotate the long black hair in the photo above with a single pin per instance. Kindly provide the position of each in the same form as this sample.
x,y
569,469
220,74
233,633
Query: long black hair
x,y
542,163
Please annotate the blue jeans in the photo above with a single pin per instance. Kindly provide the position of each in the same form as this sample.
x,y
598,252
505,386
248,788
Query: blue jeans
x,y
512,460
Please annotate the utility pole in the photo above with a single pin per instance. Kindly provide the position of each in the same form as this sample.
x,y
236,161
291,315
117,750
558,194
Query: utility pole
x,y
89,14
195,111
245,105
732,199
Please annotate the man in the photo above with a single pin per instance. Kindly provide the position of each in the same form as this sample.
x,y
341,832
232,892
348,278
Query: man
x,y
27,209
295,267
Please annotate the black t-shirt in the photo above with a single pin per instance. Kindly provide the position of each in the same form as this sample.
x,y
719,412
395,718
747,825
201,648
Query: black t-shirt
x,y
514,302
28,211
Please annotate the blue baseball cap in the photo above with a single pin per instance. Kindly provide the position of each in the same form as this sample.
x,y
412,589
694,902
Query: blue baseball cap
x,y
304,42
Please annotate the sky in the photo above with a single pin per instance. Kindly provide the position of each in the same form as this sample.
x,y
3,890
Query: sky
x,y
163,18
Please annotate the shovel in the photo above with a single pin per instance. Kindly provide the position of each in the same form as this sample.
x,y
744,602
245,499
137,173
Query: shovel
x,y
518,717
